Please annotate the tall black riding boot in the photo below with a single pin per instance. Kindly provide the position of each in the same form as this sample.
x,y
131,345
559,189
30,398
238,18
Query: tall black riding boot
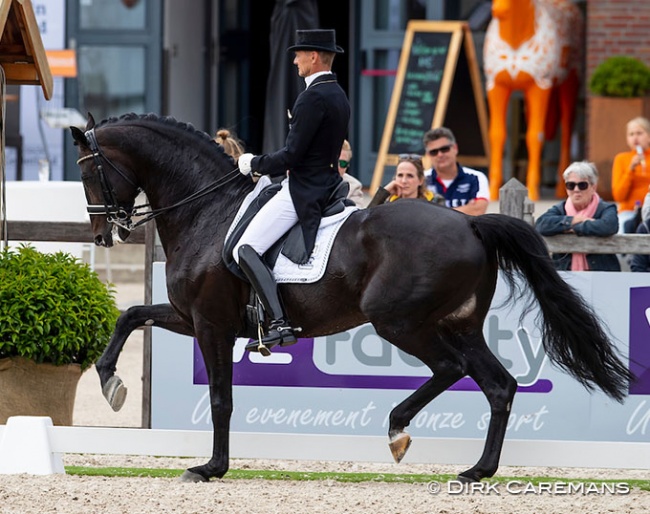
x,y
262,280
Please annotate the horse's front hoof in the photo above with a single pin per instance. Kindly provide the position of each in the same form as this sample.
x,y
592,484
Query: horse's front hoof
x,y
399,446
115,392
190,476
467,479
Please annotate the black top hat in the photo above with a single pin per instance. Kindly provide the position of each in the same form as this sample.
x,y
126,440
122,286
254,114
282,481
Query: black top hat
x,y
317,39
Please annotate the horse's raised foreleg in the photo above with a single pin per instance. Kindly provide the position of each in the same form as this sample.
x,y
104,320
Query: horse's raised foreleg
x,y
217,354
498,98
499,387
446,373
161,315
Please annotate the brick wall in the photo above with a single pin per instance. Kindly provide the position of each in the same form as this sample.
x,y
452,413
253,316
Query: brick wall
x,y
617,27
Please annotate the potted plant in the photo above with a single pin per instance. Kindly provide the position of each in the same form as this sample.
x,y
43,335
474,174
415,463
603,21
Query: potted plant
x,y
56,318
619,89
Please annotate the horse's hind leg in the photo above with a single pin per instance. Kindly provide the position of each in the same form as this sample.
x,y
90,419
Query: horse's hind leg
x,y
445,373
499,387
161,315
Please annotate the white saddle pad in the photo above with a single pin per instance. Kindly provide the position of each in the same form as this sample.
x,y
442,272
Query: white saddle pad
x,y
287,271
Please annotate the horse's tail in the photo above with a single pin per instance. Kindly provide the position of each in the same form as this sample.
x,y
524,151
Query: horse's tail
x,y
572,334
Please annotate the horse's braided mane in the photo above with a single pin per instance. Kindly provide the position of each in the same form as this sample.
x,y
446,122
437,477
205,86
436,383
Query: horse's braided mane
x,y
166,120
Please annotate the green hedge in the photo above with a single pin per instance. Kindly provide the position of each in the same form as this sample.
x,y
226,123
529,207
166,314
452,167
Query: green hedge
x,y
621,76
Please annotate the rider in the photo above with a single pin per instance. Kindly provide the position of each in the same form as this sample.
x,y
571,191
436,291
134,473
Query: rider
x,y
318,125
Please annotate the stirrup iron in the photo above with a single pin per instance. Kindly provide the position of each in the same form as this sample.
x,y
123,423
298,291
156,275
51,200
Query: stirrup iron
x,y
261,347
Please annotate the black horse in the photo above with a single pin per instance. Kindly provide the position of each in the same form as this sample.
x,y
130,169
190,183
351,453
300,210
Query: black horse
x,y
422,274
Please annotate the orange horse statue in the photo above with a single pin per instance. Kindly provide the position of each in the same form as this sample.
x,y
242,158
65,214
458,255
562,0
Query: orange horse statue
x,y
534,46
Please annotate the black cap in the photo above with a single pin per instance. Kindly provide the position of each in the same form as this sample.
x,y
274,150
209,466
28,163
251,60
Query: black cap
x,y
323,40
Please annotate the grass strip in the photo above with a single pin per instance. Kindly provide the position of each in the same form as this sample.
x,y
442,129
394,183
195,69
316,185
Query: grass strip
x,y
249,474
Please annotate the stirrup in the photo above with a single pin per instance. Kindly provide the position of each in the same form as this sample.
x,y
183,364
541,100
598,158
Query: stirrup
x,y
258,346
280,333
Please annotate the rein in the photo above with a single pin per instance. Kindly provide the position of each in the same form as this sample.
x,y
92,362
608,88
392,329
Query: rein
x,y
117,215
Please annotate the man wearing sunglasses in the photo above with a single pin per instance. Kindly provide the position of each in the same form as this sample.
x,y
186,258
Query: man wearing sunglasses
x,y
464,189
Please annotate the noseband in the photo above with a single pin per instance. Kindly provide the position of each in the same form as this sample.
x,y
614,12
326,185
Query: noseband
x,y
117,215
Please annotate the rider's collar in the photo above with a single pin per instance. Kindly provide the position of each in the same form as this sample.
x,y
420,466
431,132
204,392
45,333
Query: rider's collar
x,y
311,78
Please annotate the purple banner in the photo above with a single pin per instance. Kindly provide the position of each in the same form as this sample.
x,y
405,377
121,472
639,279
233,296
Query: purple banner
x,y
640,339
302,372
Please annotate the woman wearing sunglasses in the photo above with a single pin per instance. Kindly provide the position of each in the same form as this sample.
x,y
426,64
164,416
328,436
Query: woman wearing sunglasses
x,y
356,187
583,213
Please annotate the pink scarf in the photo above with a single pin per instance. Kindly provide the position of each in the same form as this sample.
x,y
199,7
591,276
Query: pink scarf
x,y
579,260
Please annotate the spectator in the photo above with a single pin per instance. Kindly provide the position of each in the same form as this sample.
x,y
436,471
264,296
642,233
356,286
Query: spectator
x,y
630,171
407,183
464,189
230,144
584,213
641,262
356,188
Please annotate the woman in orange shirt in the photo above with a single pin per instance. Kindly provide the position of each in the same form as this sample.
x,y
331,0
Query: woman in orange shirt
x,y
631,170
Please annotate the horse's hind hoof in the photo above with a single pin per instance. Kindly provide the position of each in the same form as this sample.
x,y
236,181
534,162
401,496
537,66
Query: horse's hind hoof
x,y
115,392
190,476
399,445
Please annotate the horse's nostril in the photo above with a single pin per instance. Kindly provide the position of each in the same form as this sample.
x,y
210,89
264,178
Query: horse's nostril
x,y
99,241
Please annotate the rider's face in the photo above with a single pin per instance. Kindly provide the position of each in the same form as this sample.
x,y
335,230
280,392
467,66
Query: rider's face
x,y
304,61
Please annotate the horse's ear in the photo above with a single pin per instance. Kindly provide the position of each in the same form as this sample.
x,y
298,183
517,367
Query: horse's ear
x,y
78,136
91,122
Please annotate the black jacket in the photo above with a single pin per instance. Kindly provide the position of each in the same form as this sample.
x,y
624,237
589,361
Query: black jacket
x,y
319,123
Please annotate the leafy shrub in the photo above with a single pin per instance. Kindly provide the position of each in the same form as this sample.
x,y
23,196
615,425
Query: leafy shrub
x,y
53,308
620,76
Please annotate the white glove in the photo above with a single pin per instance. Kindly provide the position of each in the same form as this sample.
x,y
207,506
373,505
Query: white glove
x,y
245,163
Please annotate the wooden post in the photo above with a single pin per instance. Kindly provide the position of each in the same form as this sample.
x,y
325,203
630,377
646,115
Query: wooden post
x,y
3,198
512,197
153,252
23,62
149,242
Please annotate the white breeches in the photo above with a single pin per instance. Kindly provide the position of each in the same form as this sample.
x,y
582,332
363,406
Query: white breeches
x,y
270,224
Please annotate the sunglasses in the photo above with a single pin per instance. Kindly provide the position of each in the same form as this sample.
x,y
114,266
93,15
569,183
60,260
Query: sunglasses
x,y
582,186
343,164
443,149
409,157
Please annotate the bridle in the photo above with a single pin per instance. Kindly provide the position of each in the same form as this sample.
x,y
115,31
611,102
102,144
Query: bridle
x,y
118,215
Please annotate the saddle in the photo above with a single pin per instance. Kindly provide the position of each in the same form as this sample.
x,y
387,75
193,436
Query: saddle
x,y
292,244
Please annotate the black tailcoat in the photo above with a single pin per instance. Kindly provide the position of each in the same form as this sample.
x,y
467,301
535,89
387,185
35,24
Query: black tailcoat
x,y
318,125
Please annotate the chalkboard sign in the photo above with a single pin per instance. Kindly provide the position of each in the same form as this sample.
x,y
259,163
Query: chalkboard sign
x,y
437,84
420,89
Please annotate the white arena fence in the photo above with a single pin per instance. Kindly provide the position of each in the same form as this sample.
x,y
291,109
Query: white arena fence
x,y
33,445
